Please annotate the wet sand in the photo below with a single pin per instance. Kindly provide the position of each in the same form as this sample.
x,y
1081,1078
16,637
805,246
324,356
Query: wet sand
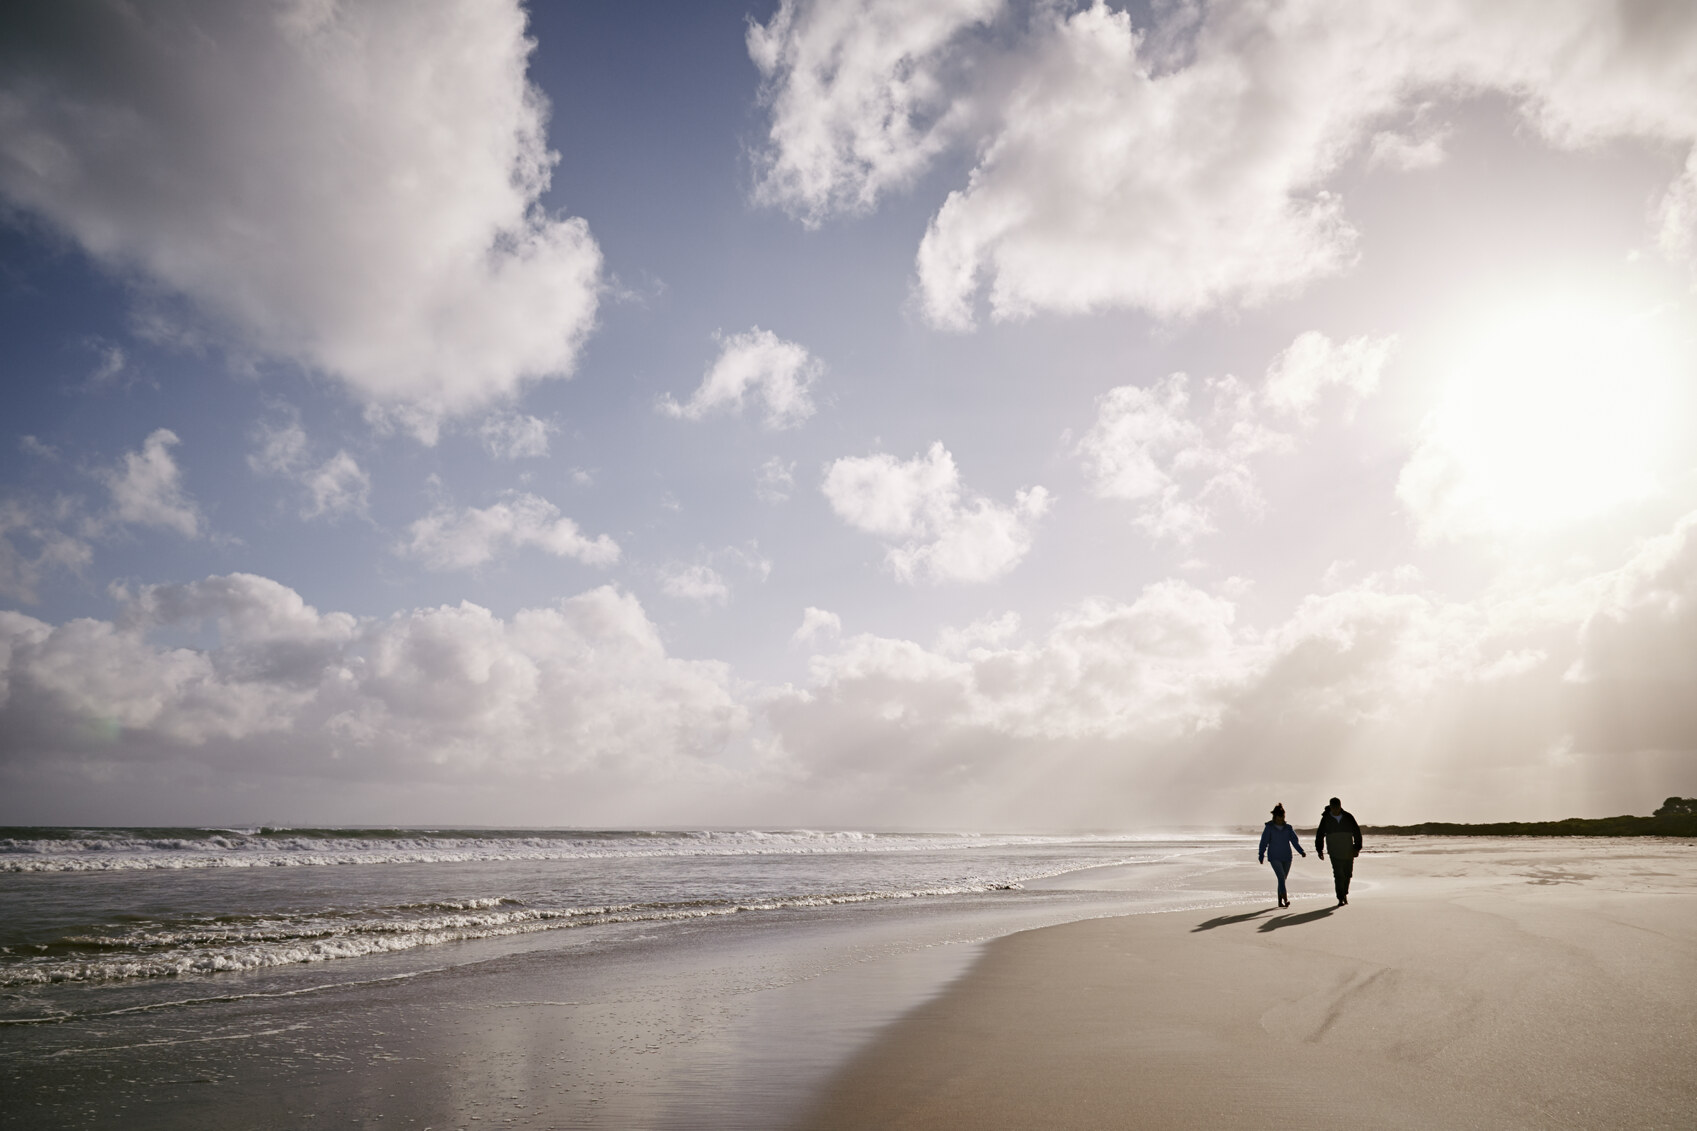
x,y
1489,984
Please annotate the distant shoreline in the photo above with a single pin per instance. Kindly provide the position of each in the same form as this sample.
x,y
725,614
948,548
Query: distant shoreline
x,y
1572,826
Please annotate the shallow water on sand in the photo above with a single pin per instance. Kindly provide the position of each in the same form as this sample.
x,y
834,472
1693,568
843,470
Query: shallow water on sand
x,y
641,988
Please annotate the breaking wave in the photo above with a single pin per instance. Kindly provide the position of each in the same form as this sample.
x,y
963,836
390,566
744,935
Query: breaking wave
x,y
212,945
99,850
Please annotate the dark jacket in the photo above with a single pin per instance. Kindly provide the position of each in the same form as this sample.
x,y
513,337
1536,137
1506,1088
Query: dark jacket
x,y
1277,841
1342,823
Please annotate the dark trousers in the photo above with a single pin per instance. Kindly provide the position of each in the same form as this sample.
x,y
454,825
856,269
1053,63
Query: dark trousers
x,y
1342,853
1281,869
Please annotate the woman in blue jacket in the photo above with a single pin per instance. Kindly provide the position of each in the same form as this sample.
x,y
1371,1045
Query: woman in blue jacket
x,y
1277,839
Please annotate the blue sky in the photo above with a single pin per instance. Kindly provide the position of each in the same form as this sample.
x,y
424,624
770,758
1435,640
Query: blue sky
x,y
971,414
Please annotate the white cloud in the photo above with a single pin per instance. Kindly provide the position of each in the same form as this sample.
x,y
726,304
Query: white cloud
x,y
1182,462
515,435
858,95
1145,448
1313,363
984,633
815,623
775,480
1404,152
471,536
1186,165
1676,216
39,537
452,692
756,364
1167,708
354,187
704,581
147,488
279,448
920,504
1640,631
700,583
336,487
35,446
1169,705
111,365
33,544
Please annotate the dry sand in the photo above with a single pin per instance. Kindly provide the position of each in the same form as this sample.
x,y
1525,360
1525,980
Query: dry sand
x,y
1495,984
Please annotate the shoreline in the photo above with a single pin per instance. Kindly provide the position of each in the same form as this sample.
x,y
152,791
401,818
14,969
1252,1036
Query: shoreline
x,y
727,1023
1467,984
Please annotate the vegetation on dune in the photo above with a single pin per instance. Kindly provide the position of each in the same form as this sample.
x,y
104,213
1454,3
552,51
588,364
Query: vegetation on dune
x,y
1676,817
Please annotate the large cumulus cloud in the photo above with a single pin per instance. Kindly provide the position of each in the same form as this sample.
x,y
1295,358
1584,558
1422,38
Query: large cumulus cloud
x,y
260,684
1190,163
1544,700
1528,700
351,186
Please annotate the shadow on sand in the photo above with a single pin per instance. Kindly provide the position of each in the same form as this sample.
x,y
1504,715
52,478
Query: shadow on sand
x,y
1228,920
1296,920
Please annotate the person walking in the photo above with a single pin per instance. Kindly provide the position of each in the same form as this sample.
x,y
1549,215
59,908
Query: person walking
x,y
1339,834
1277,839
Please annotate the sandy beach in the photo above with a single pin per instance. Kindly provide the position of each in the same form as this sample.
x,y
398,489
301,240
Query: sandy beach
x,y
1488,984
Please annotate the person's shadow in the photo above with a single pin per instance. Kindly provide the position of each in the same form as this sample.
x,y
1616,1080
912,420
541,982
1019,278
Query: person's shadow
x,y
1296,920
1228,920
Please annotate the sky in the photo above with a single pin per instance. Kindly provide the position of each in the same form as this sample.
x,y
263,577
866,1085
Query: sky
x,y
962,414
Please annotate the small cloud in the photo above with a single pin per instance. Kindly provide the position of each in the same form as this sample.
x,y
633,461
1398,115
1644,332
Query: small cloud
x,y
109,366
31,446
34,543
147,488
1337,575
695,583
749,558
705,580
1183,451
450,539
919,506
816,622
279,449
422,421
516,436
1177,465
774,482
756,364
336,487
333,488
1313,363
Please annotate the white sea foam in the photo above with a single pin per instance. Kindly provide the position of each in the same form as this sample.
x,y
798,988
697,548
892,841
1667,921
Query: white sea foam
x,y
201,948
126,850
154,921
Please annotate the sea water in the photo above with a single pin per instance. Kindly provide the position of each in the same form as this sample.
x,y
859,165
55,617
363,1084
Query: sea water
x,y
746,962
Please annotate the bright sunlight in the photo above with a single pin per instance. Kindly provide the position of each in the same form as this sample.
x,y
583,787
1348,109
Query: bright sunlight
x,y
1553,414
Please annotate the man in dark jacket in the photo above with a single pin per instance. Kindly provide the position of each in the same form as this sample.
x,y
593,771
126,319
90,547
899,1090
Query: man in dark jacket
x,y
1341,836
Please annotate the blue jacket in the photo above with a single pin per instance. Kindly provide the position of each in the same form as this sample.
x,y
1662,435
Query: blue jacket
x,y
1277,841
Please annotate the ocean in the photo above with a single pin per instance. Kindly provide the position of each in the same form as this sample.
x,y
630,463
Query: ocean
x,y
650,978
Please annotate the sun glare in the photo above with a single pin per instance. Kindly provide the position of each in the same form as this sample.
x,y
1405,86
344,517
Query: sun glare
x,y
1552,414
